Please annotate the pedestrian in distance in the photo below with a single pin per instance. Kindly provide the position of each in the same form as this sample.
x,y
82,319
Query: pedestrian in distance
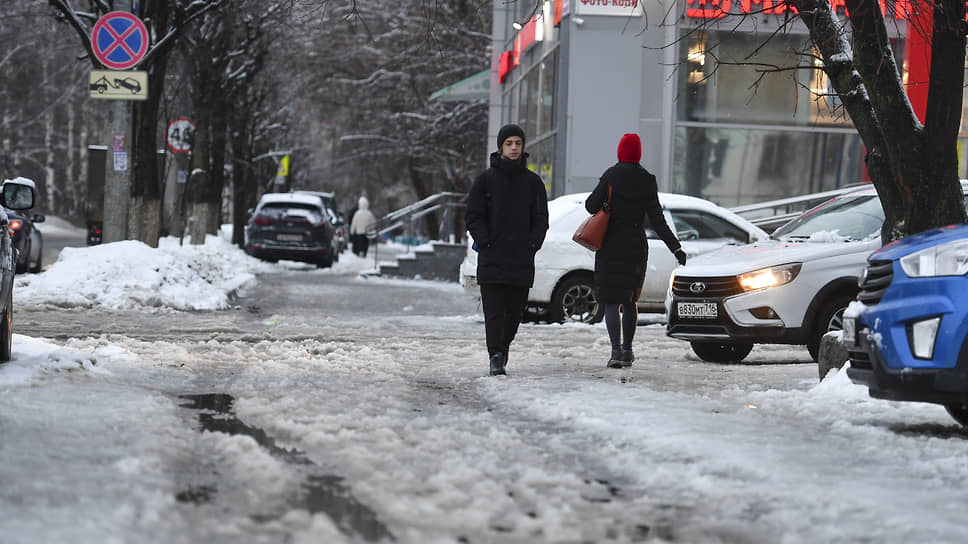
x,y
362,222
620,265
507,215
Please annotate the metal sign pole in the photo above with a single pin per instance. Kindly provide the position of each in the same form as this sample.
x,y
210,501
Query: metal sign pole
x,y
119,40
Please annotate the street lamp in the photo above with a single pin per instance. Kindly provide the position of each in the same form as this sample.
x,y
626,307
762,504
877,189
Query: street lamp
x,y
518,25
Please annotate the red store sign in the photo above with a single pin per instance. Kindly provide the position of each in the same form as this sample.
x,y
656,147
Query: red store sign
x,y
714,9
525,39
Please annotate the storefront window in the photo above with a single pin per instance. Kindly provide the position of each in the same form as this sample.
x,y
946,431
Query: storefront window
x,y
530,98
541,159
546,111
726,77
734,166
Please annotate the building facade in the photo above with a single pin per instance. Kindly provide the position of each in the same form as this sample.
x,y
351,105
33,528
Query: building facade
x,y
721,113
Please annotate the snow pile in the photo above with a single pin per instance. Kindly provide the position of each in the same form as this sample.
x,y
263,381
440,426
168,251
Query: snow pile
x,y
131,275
36,357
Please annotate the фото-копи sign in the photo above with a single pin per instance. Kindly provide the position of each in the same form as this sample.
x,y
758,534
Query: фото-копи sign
x,y
624,8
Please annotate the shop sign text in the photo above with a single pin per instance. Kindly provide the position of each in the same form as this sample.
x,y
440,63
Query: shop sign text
x,y
714,9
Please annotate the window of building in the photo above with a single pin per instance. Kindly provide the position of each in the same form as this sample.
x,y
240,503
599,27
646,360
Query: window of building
x,y
546,110
541,159
734,166
734,77
530,98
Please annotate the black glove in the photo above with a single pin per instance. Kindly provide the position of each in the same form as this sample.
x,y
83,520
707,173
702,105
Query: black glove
x,y
680,256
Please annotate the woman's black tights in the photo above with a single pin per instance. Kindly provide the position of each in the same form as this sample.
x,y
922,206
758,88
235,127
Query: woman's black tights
x,y
621,329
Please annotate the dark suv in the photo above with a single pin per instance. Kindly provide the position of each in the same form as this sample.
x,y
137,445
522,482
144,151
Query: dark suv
x,y
15,194
291,226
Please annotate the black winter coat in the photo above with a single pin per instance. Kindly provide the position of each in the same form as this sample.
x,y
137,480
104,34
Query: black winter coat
x,y
507,214
621,263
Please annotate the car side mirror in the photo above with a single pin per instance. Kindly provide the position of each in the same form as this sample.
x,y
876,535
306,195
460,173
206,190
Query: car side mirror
x,y
17,195
39,218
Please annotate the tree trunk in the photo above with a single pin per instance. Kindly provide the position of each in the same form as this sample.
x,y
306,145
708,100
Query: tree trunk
x,y
939,200
910,165
50,162
219,143
146,182
199,180
73,172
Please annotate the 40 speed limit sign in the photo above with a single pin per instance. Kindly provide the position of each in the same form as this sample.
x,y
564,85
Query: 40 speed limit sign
x,y
179,137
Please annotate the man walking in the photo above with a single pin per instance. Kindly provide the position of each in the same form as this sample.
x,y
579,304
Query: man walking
x,y
507,215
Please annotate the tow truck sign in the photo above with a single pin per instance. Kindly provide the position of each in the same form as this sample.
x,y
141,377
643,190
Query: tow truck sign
x,y
128,85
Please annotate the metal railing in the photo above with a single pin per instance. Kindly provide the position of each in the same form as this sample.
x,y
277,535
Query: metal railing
x,y
406,219
774,213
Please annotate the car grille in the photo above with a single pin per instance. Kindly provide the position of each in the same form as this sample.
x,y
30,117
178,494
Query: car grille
x,y
688,287
876,281
860,359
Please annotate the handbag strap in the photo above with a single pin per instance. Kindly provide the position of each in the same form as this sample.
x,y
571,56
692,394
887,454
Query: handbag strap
x,y
608,200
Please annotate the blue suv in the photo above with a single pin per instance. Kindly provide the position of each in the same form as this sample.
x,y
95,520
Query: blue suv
x,y
908,341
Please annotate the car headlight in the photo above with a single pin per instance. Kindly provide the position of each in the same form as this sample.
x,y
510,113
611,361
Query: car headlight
x,y
950,259
773,276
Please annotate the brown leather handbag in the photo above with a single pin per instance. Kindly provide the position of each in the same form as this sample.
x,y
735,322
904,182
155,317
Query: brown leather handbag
x,y
591,232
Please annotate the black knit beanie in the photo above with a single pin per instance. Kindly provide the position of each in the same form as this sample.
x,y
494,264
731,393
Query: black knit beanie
x,y
506,132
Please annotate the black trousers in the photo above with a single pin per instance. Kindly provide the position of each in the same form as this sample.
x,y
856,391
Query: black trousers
x,y
503,307
361,244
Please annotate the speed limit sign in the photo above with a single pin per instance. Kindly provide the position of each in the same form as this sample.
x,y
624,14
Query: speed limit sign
x,y
179,136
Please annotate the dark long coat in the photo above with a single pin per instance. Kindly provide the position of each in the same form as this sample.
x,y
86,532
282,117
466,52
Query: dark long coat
x,y
621,262
507,214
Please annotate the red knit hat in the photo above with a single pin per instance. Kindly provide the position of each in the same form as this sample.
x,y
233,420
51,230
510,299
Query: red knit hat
x,y
630,148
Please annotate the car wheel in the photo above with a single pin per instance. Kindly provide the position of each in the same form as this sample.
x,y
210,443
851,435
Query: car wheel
x,y
959,412
831,319
6,329
575,300
721,352
22,267
533,314
37,265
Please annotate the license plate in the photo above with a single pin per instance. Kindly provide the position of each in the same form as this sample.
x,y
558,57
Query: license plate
x,y
289,237
850,332
697,309
470,282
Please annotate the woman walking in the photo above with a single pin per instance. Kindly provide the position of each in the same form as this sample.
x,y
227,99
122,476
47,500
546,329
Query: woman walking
x,y
620,264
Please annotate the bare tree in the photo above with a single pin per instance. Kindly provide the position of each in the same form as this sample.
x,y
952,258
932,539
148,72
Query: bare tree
x,y
370,76
227,55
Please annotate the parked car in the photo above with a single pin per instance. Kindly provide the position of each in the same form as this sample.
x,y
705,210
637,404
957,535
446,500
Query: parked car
x,y
291,226
341,238
16,194
907,335
27,240
564,271
789,289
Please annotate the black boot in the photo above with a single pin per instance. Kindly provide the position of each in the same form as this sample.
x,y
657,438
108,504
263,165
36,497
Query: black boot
x,y
627,357
616,360
497,364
